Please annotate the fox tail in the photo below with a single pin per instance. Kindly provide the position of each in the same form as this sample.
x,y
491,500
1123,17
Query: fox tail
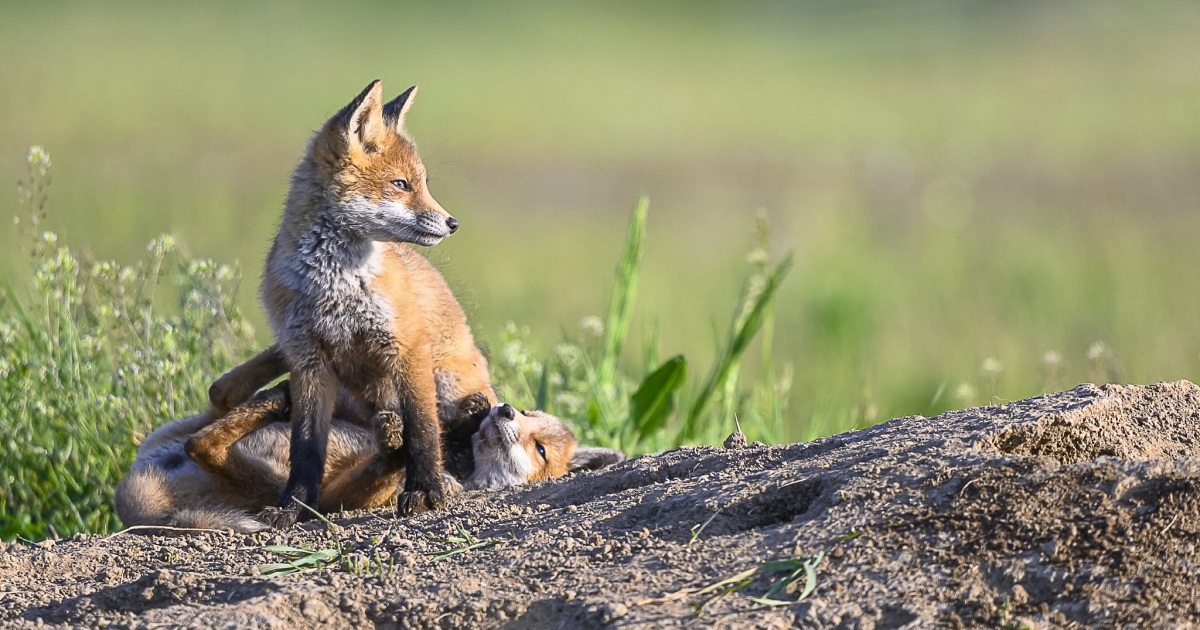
x,y
144,499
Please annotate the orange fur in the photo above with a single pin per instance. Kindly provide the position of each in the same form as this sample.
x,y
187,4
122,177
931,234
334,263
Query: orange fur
x,y
353,306
210,472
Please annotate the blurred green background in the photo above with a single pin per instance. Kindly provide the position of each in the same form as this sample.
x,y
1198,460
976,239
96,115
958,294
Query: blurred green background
x,y
968,186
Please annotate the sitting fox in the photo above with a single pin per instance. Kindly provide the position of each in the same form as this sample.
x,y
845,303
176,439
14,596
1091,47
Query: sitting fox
x,y
354,307
212,473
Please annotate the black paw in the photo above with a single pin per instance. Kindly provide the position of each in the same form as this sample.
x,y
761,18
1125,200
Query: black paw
x,y
417,501
473,405
278,517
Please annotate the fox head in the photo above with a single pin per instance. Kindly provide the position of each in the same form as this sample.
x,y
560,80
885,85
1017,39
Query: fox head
x,y
514,447
371,179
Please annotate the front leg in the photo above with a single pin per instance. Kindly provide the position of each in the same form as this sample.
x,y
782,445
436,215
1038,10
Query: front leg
x,y
314,391
422,436
458,430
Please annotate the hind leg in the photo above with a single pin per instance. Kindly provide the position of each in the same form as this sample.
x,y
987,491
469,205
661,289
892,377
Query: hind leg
x,y
212,447
237,385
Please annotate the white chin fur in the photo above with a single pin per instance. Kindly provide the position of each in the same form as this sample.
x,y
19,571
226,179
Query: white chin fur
x,y
427,241
498,464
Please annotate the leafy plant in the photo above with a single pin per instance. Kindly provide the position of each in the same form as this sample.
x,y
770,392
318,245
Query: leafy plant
x,y
297,560
797,568
93,355
654,400
585,382
463,542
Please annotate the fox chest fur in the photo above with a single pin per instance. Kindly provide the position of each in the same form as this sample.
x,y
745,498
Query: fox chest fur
x,y
332,305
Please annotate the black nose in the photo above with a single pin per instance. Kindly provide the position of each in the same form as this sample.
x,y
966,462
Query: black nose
x,y
507,411
452,223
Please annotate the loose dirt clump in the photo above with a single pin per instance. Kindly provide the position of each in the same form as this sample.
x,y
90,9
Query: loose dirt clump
x,y
1078,509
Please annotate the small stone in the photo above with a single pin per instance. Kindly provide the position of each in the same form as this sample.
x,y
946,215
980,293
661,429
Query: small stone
x,y
569,595
736,440
112,573
314,609
614,611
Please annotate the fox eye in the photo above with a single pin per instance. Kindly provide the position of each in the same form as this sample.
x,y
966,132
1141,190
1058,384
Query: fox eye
x,y
402,184
541,450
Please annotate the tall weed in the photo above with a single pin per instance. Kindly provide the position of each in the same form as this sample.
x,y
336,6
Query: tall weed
x,y
94,355
582,380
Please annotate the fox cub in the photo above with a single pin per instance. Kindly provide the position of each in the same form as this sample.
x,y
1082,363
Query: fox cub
x,y
211,473
352,306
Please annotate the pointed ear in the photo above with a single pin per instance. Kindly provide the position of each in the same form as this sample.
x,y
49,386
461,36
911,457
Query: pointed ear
x,y
594,458
360,123
393,112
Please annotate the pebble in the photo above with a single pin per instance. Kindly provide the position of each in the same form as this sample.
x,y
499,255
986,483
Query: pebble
x,y
112,573
614,611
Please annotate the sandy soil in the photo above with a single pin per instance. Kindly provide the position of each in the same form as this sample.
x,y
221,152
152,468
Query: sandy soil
x,y
1077,509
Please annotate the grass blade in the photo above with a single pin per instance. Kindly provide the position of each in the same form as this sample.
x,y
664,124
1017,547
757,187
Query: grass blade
x,y
620,308
733,352
543,392
810,576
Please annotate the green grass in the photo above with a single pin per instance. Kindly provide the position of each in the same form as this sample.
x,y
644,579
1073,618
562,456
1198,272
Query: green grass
x,y
983,201
959,180
94,356
636,409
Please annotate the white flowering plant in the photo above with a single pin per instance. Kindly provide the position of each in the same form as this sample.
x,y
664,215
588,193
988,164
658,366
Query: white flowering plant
x,y
94,355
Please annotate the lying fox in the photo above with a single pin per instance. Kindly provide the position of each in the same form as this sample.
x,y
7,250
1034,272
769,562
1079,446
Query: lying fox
x,y
215,473
354,307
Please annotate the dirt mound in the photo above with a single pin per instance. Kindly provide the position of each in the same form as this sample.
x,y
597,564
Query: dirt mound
x,y
1078,509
